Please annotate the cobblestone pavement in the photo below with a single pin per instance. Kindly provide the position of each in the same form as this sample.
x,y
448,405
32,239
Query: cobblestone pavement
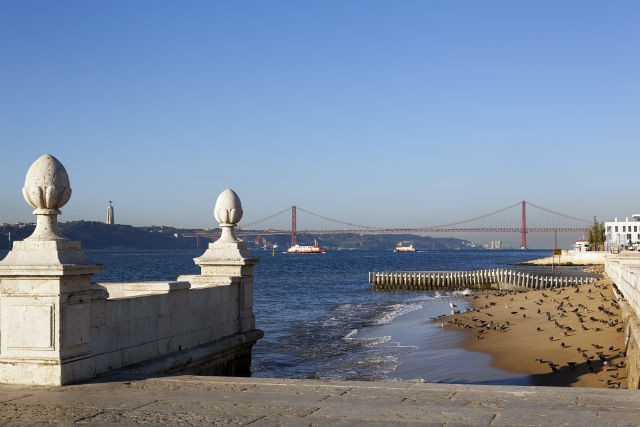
x,y
224,401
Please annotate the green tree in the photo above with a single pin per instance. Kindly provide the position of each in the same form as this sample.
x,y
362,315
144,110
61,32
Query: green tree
x,y
596,235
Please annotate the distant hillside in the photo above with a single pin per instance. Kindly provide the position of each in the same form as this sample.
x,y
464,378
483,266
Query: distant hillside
x,y
97,235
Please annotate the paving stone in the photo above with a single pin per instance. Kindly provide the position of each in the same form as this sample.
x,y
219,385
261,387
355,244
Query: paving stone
x,y
269,402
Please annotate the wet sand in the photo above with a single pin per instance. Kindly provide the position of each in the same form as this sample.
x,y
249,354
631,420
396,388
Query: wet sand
x,y
569,336
436,355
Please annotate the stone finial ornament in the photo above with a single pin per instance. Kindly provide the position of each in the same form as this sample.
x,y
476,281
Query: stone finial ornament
x,y
228,253
228,212
46,186
47,189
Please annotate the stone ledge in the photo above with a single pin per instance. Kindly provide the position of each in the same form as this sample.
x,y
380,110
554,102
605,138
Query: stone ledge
x,y
203,401
127,290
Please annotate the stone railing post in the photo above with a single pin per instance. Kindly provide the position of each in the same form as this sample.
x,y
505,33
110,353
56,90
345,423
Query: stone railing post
x,y
45,292
229,257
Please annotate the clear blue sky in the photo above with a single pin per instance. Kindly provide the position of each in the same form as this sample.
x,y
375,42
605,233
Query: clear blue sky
x,y
388,113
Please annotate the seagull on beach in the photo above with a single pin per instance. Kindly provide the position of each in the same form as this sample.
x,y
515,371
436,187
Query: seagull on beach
x,y
452,305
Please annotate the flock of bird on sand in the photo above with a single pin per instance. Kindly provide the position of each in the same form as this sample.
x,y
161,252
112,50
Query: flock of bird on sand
x,y
579,311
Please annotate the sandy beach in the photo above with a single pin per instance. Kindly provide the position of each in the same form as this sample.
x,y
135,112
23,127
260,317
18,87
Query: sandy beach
x,y
561,337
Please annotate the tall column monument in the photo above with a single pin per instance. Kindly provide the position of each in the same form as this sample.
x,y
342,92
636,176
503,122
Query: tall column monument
x,y
110,218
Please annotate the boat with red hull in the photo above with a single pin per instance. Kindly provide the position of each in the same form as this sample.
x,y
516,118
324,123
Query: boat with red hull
x,y
306,249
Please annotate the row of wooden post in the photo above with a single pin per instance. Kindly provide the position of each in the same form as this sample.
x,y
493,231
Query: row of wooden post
x,y
475,279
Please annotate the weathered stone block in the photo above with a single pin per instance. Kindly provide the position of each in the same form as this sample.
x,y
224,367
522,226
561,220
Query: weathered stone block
x,y
76,330
28,326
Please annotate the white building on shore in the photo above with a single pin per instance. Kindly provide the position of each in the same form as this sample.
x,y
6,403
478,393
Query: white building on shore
x,y
622,233
494,244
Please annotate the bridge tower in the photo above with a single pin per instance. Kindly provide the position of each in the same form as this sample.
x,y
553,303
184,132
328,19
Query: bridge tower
x,y
523,231
293,226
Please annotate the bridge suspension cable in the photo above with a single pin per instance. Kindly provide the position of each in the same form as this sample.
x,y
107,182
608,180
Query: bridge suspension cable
x,y
559,213
265,219
453,224
338,221
516,221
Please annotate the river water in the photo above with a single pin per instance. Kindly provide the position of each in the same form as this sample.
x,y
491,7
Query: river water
x,y
322,320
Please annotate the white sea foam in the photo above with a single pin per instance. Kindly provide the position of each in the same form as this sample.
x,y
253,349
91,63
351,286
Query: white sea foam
x,y
379,359
374,341
327,323
405,348
398,310
351,335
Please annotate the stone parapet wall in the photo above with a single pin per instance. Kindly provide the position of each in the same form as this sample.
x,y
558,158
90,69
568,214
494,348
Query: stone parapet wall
x,y
572,257
583,257
632,341
159,319
624,271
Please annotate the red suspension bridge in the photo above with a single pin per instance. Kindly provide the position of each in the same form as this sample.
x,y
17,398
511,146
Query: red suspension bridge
x,y
521,217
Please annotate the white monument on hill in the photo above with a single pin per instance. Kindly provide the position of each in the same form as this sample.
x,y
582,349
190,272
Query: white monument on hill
x,y
110,218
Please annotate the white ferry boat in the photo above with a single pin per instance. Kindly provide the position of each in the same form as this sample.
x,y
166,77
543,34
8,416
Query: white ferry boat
x,y
302,249
404,247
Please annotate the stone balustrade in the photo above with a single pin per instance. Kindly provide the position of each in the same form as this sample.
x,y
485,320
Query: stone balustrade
x,y
58,328
624,270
